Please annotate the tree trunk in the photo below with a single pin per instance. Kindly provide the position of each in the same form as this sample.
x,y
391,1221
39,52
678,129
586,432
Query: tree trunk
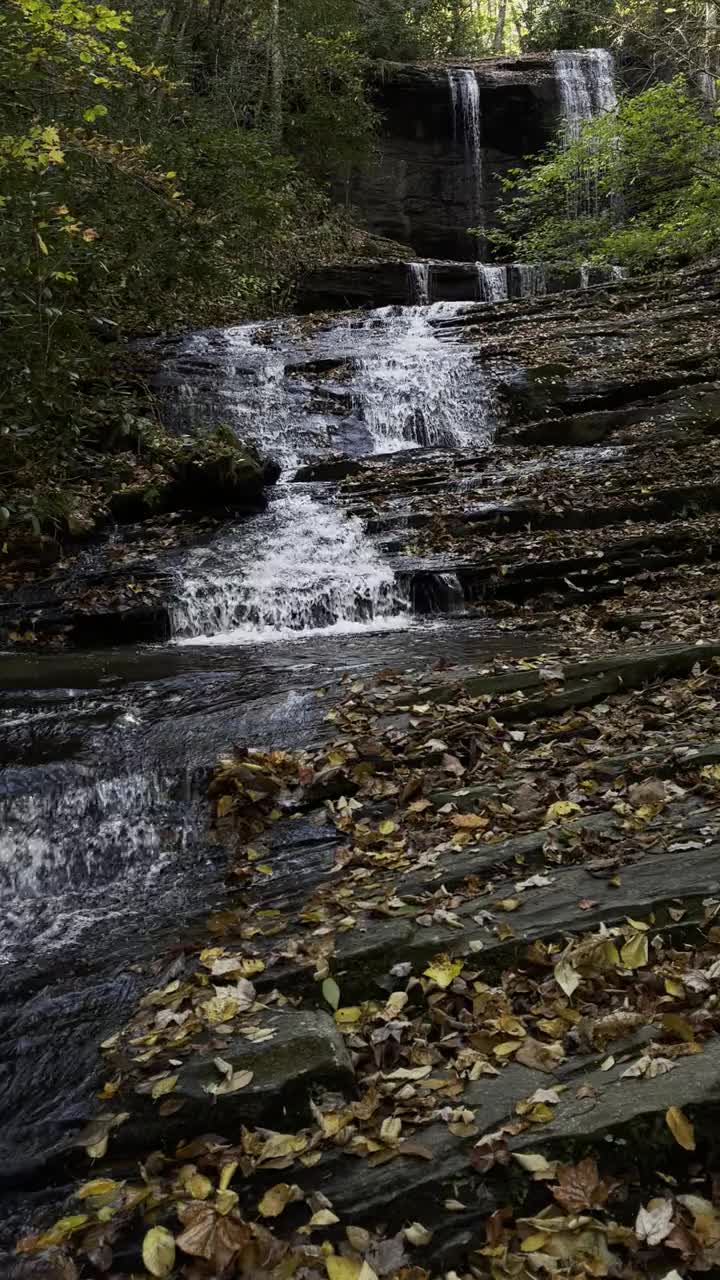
x,y
276,76
499,40
710,70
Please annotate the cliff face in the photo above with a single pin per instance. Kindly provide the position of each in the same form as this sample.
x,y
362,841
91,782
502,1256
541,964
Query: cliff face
x,y
448,136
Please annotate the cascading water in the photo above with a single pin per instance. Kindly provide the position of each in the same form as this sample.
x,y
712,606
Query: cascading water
x,y
419,283
304,566
466,120
586,88
412,389
492,283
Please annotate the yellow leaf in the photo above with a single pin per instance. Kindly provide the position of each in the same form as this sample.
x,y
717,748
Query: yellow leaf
x,y
158,1252
264,868
534,1163
566,977
561,809
532,1244
277,1198
55,1235
342,1268
161,1087
443,971
331,992
98,1187
508,904
345,1017
198,1186
387,827
674,988
224,806
635,952
680,1128
646,811
220,1009
227,1174
323,1218
41,244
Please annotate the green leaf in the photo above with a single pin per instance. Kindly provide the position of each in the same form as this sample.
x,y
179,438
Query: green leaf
x,y
331,992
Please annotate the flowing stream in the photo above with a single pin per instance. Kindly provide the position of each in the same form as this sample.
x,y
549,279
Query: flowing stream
x,y
105,855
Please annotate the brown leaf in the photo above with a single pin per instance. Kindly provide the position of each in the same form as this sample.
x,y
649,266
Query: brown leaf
x,y
580,1186
538,1056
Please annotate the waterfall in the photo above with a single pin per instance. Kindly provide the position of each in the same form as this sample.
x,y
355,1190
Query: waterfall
x,y
492,283
419,283
465,101
381,382
411,389
586,88
304,566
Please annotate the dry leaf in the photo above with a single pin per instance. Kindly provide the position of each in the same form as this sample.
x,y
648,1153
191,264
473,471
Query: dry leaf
x,y
680,1128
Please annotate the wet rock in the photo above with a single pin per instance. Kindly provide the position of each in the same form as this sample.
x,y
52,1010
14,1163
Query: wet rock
x,y
199,475
303,1052
332,469
353,284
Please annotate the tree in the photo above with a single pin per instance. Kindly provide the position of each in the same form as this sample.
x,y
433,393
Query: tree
x,y
652,169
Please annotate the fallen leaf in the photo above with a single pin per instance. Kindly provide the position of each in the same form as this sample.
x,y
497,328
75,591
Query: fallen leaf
x,y
635,952
418,1235
579,1186
567,978
277,1198
681,1128
443,971
561,809
655,1222
158,1251
331,992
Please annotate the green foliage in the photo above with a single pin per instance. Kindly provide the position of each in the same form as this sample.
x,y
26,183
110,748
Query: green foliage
x,y
142,187
640,186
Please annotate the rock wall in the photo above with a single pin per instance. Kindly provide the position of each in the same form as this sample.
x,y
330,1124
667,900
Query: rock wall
x,y
420,190
379,283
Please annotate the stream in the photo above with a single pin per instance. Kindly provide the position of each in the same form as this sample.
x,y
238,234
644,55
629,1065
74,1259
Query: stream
x,y
105,858
105,854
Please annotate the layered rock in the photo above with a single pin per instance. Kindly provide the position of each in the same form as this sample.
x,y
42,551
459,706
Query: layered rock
x,y
377,283
420,192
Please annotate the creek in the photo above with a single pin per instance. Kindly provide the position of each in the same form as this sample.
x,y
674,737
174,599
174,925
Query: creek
x,y
105,856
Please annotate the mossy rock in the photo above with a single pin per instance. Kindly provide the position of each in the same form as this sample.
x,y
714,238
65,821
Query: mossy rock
x,y
197,475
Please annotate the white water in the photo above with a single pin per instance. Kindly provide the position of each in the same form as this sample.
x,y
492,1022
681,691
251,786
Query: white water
x,y
465,101
586,88
419,282
414,389
304,566
39,846
492,283
529,279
